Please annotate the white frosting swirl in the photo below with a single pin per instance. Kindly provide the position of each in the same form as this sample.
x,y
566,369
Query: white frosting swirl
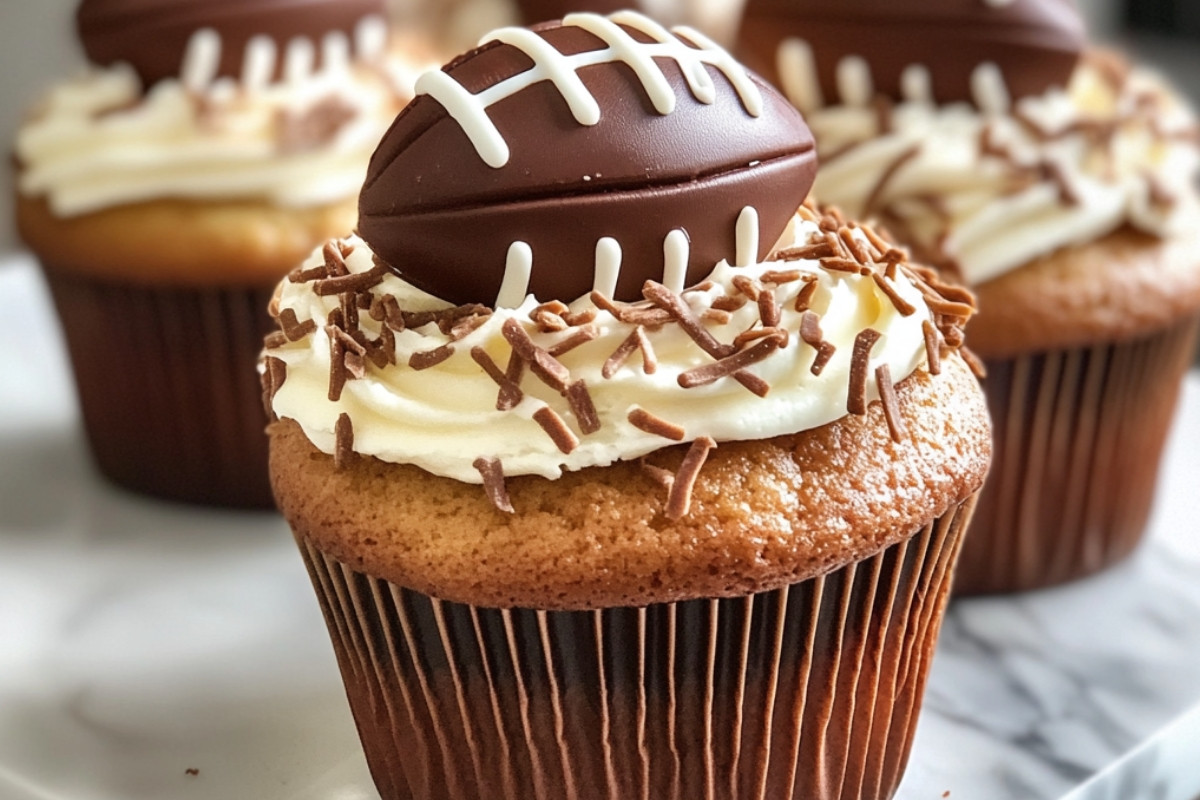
x,y
990,190
443,417
97,141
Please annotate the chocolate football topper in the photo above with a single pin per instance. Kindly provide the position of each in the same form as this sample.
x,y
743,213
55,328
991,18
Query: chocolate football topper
x,y
589,154
846,51
253,40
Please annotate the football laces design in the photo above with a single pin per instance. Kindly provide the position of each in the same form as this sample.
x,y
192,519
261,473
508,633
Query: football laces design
x,y
470,110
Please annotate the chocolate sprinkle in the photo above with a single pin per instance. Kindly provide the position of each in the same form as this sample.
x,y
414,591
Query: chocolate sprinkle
x,y
673,304
335,260
891,404
273,375
838,264
299,275
901,305
430,358
643,420
631,314
853,245
810,333
556,429
679,498
778,277
492,472
620,355
748,286
816,250
580,400
856,400
752,382
576,319
768,309
274,340
545,366
649,357
337,368
353,282
932,347
663,477
728,302
582,335
805,295
709,373
510,393
343,450
974,362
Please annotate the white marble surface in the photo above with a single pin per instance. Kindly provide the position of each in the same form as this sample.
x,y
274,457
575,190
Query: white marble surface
x,y
139,640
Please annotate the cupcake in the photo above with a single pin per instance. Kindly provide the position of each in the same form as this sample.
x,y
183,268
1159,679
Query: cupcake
x,y
1057,182
619,472
206,150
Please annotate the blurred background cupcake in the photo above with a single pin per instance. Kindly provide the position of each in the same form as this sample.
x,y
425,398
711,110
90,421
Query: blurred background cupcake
x,y
616,481
166,189
1057,182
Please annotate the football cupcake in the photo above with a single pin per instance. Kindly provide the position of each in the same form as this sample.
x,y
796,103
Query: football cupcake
x,y
615,475
1058,183
208,147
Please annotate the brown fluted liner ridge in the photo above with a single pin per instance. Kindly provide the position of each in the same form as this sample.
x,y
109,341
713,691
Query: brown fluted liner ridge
x,y
1078,438
808,692
167,385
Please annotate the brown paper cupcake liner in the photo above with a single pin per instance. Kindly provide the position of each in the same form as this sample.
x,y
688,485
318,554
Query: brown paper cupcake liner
x,y
810,691
1078,438
168,387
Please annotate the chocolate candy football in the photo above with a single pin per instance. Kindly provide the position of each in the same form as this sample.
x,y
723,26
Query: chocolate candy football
x,y
595,153
153,35
1034,43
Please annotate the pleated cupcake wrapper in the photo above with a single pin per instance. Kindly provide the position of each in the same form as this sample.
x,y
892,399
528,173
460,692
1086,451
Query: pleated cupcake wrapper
x,y
168,386
1078,438
810,691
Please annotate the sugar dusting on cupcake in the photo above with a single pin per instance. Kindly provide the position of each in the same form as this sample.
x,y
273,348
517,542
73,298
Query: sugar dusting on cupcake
x,y
200,100
746,319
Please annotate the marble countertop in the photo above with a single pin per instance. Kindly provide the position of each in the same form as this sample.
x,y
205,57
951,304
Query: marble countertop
x,y
142,641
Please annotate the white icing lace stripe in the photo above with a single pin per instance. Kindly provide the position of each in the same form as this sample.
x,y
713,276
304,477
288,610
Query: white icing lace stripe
x,y
798,73
201,59
854,81
916,84
470,110
370,37
470,114
628,50
299,60
747,237
700,83
608,266
989,89
557,69
676,250
258,64
517,268
748,93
